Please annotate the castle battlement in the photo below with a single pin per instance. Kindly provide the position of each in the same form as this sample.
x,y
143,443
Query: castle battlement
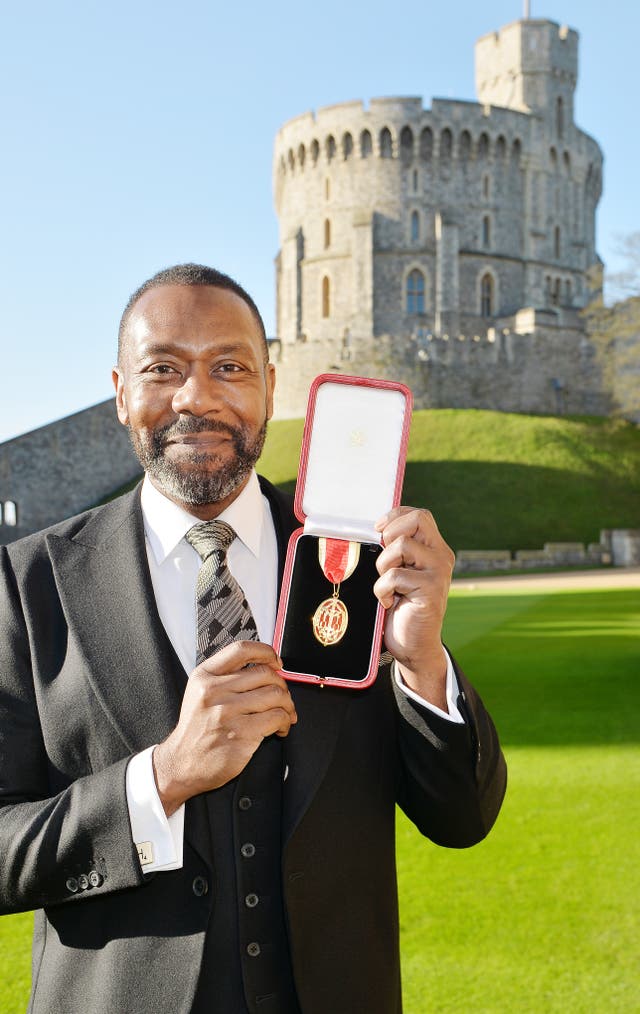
x,y
396,217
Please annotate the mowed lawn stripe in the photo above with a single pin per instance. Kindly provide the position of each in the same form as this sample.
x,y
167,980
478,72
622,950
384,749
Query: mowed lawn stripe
x,y
542,916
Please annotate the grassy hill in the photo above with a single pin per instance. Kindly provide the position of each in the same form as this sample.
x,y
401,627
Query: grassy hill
x,y
502,481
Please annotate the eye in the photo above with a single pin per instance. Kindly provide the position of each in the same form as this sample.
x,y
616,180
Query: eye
x,y
228,368
161,369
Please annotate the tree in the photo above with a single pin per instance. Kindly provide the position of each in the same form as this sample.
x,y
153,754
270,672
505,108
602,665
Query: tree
x,y
614,331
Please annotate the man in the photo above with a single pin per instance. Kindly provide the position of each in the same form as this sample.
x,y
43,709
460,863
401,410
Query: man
x,y
201,835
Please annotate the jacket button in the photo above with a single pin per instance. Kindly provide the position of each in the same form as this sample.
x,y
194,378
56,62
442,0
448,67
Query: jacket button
x,y
244,803
199,886
83,881
72,885
94,878
253,950
251,900
248,850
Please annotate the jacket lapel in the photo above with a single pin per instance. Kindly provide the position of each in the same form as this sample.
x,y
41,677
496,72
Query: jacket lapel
x,y
105,588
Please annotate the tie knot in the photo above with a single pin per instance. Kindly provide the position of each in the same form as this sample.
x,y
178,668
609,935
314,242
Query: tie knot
x,y
210,536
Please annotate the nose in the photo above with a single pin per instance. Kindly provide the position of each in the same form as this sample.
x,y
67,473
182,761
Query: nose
x,y
195,395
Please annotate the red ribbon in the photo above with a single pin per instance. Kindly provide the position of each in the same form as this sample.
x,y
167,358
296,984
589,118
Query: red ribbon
x,y
335,560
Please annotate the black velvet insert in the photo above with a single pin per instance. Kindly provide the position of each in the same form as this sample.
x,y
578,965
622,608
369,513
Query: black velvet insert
x,y
300,651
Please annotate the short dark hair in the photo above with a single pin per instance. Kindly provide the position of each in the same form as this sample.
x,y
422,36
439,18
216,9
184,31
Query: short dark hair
x,y
191,274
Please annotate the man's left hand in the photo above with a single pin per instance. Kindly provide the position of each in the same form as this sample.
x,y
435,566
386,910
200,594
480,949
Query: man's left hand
x,y
415,570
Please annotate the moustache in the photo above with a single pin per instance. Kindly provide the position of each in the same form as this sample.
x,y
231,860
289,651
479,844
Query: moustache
x,y
186,425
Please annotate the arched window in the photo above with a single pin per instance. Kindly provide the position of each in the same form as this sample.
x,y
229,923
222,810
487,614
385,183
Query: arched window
x,y
327,233
331,147
553,158
486,232
566,158
465,146
415,292
301,155
406,144
365,144
415,226
516,151
292,159
446,144
386,144
501,147
10,513
326,297
556,241
483,146
315,151
559,116
485,187
347,145
555,295
486,295
426,144
567,293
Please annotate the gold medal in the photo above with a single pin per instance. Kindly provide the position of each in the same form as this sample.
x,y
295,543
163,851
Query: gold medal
x,y
338,559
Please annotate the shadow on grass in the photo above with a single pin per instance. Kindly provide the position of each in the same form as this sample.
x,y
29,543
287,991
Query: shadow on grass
x,y
554,670
498,505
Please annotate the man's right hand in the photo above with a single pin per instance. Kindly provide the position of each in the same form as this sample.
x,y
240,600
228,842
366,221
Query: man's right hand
x,y
233,701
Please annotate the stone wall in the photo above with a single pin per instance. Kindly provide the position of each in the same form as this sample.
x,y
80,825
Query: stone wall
x,y
553,556
546,371
61,469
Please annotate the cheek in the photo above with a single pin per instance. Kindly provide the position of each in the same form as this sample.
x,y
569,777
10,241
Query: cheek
x,y
146,408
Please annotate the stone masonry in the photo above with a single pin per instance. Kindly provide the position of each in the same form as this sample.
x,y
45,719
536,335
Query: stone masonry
x,y
400,223
61,469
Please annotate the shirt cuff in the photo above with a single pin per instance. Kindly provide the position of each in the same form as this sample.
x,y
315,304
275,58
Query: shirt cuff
x,y
452,692
158,838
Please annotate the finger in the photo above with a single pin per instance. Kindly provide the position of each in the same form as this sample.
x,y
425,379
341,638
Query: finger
x,y
265,699
269,723
252,678
235,656
414,522
421,586
404,551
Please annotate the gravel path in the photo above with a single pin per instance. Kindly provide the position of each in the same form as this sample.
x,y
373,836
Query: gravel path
x,y
616,577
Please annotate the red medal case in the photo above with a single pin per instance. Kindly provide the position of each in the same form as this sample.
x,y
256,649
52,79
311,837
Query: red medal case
x,y
354,448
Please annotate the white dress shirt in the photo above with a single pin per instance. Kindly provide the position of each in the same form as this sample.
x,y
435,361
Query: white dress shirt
x,y
174,564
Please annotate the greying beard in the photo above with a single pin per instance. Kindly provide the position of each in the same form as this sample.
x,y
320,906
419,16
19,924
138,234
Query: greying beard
x,y
190,484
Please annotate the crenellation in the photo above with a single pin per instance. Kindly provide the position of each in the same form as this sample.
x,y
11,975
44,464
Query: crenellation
x,y
449,218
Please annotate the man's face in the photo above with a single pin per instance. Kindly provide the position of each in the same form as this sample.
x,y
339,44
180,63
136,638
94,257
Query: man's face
x,y
193,388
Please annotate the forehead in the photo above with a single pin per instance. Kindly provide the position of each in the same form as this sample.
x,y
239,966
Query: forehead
x,y
190,313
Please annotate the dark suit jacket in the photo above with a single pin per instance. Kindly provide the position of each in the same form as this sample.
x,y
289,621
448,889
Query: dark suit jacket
x,y
87,678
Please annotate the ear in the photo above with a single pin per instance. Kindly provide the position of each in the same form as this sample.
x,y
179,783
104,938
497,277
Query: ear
x,y
121,398
270,380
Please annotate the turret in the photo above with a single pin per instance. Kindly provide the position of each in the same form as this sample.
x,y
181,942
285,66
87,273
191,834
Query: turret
x,y
531,66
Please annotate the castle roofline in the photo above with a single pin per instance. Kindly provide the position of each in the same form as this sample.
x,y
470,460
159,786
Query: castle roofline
x,y
314,116
495,34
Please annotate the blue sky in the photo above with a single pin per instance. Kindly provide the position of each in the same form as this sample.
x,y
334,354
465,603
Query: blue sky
x,y
137,135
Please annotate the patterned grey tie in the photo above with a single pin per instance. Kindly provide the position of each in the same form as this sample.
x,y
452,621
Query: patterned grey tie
x,y
223,612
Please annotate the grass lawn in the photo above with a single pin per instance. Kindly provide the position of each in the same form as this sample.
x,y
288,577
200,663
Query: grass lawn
x,y
542,917
533,479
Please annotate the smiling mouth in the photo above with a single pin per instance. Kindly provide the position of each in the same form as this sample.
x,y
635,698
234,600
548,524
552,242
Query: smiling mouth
x,y
198,440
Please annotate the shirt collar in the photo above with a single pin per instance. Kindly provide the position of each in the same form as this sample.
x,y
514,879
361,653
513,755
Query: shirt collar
x,y
165,523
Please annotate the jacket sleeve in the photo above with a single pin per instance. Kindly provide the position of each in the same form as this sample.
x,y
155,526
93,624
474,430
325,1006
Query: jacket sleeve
x,y
62,838
453,776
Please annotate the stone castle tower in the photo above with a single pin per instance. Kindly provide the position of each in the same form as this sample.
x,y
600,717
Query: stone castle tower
x,y
464,221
